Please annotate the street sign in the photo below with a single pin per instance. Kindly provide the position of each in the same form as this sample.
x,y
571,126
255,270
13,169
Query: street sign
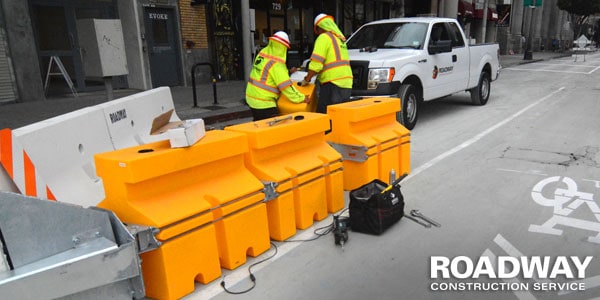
x,y
531,3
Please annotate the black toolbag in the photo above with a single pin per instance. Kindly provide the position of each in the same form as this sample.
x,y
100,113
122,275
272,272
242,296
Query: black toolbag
x,y
373,209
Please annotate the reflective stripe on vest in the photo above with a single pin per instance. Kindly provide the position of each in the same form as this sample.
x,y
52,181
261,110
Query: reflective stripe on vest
x,y
284,85
264,86
336,64
317,58
336,46
265,72
263,79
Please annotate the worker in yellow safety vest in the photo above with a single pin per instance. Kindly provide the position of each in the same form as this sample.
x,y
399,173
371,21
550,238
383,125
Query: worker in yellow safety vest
x,y
330,61
270,77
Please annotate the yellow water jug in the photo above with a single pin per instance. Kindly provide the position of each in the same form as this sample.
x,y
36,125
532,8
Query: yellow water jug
x,y
287,107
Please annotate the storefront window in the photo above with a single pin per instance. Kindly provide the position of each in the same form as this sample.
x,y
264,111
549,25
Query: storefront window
x,y
293,17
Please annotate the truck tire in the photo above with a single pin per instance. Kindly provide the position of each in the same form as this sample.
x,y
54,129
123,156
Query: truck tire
x,y
409,99
481,93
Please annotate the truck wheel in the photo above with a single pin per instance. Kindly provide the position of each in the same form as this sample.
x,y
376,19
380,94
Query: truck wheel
x,y
481,93
409,99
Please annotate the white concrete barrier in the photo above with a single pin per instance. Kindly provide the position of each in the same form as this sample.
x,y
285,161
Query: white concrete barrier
x,y
61,151
54,159
129,119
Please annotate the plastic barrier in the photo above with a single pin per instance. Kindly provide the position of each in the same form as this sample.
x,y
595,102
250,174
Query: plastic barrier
x,y
289,153
287,107
207,205
371,141
53,159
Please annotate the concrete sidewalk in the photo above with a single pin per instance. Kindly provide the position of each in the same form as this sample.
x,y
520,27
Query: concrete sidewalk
x,y
230,104
517,59
229,108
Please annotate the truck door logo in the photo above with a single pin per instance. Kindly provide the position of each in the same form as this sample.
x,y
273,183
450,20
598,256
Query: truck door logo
x,y
441,71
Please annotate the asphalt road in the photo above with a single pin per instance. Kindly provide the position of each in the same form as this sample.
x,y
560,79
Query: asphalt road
x,y
519,176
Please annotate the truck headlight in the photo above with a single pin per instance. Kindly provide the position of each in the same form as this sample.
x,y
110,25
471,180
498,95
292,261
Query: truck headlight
x,y
377,76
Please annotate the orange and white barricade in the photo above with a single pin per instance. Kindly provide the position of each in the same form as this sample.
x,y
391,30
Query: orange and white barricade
x,y
54,159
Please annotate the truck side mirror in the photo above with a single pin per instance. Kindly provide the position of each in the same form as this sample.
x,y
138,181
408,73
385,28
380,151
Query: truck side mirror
x,y
440,47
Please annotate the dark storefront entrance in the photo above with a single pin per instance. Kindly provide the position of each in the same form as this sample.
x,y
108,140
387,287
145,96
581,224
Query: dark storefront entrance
x,y
293,17
163,47
296,18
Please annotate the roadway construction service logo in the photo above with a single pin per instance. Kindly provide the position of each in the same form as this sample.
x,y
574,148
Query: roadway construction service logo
x,y
540,270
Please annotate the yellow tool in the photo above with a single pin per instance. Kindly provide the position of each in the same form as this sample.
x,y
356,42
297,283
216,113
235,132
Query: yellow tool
x,y
389,187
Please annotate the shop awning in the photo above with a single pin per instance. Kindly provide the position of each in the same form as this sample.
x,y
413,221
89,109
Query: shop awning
x,y
492,14
465,8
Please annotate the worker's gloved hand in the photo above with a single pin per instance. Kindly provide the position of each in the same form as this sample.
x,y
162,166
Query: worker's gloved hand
x,y
306,99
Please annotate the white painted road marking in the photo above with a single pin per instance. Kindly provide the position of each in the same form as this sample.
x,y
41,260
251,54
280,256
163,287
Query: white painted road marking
x,y
481,135
590,282
521,295
561,211
530,172
557,71
550,71
514,252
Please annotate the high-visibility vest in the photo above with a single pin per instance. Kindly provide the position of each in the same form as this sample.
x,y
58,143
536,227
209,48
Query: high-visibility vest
x,y
330,61
268,78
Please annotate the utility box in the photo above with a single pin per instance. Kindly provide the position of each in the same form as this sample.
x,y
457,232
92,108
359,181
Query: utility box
x,y
102,47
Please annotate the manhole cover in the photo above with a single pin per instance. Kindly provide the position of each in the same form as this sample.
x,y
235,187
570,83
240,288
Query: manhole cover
x,y
213,107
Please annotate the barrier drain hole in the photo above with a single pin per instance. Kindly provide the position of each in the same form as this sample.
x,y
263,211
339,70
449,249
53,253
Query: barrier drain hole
x,y
377,101
145,150
298,118
80,148
132,124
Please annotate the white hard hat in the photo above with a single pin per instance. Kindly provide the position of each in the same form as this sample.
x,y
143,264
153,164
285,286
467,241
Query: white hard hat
x,y
319,18
281,37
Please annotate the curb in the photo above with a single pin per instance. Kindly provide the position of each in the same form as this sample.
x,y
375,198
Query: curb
x,y
228,114
542,59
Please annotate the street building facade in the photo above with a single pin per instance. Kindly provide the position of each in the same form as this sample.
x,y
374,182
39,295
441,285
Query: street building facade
x,y
42,43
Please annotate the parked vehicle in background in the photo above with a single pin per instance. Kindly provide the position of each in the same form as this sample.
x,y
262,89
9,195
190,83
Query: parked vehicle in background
x,y
420,59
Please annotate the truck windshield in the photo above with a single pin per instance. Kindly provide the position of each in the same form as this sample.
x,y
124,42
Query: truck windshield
x,y
389,35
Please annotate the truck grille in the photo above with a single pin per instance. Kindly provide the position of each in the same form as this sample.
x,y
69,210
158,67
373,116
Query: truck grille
x,y
360,73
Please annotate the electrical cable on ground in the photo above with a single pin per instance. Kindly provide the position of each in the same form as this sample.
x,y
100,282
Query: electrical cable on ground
x,y
319,232
251,275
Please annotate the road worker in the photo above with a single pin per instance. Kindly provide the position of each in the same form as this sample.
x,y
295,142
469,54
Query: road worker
x,y
270,77
330,62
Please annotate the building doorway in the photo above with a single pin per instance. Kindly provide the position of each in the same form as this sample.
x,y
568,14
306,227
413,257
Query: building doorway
x,y
163,48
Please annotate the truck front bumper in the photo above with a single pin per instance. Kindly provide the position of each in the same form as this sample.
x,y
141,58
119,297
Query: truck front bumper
x,y
388,89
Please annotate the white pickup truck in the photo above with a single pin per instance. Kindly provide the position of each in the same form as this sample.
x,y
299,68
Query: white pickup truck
x,y
419,59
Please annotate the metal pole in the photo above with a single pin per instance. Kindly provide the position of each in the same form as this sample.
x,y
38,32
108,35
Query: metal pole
x,y
484,21
214,79
194,86
246,39
108,87
529,44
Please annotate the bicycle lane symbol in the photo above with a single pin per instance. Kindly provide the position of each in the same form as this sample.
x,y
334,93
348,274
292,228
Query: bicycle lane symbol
x,y
565,201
